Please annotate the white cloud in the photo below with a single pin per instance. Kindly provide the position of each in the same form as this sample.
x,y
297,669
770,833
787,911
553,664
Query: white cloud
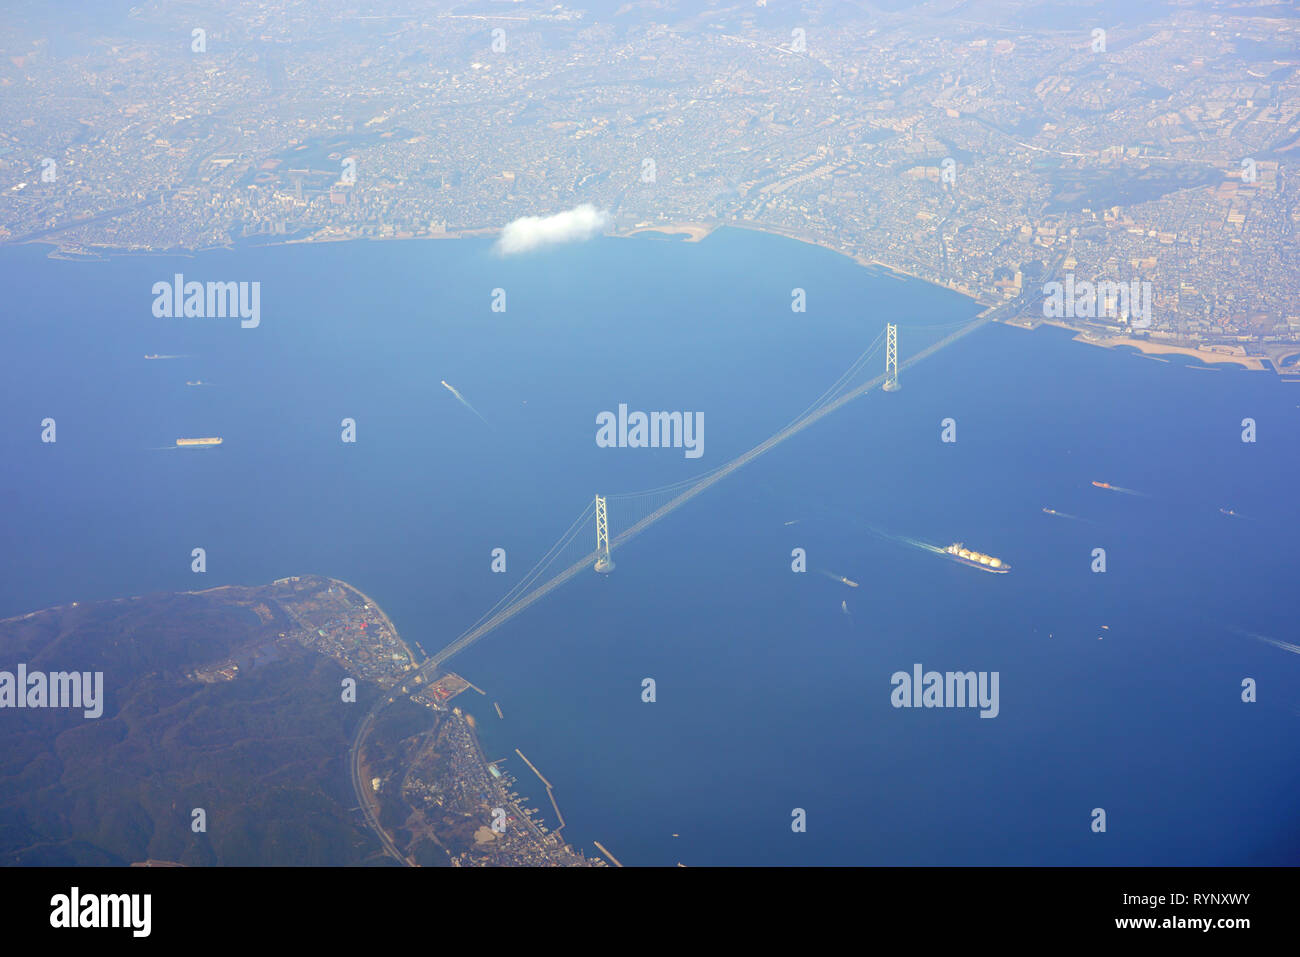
x,y
532,232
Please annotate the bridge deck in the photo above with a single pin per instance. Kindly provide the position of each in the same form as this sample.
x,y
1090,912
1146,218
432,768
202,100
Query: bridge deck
x,y
505,614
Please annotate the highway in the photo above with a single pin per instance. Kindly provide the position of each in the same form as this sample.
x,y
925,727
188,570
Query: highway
x,y
361,787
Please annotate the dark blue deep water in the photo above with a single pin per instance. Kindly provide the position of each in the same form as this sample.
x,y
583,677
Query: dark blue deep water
x,y
770,697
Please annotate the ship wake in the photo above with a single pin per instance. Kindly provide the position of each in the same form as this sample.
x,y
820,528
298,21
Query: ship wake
x,y
1073,518
905,540
1284,645
1126,491
838,578
464,401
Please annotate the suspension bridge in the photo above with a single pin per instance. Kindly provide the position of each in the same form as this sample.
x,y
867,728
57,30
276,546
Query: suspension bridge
x,y
649,506
646,508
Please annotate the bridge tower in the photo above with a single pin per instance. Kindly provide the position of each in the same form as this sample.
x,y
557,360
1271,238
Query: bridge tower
x,y
891,358
604,564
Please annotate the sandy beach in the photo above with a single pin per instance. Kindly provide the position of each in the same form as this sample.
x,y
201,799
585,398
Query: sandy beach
x,y
1210,354
694,231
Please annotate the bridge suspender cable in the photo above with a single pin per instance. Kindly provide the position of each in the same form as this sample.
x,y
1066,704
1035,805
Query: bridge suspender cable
x,y
693,487
499,614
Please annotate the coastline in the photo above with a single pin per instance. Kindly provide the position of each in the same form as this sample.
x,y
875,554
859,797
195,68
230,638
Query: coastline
x,y
897,272
1210,354
696,231
382,614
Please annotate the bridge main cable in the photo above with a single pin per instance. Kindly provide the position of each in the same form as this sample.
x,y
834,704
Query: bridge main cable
x,y
785,433
501,617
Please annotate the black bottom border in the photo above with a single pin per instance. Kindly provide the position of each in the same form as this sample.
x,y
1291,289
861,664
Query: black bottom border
x,y
386,907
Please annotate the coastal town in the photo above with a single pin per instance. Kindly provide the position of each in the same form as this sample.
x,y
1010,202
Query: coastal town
x,y
451,805
990,151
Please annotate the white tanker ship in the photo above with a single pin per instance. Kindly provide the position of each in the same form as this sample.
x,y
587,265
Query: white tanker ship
x,y
959,552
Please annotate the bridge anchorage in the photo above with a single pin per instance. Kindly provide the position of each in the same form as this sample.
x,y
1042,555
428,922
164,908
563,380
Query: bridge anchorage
x,y
604,564
891,358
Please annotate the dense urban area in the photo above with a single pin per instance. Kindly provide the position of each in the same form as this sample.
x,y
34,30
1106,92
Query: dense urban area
x,y
985,146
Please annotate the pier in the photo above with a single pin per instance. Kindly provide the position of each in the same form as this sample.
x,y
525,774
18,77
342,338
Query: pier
x,y
549,793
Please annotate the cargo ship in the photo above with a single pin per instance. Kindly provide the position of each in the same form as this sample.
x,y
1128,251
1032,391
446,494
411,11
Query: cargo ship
x,y
182,443
959,552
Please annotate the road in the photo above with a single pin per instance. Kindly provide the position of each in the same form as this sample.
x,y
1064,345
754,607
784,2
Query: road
x,y
362,788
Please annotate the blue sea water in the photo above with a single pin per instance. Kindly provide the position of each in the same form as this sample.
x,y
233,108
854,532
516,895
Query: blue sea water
x,y
769,696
